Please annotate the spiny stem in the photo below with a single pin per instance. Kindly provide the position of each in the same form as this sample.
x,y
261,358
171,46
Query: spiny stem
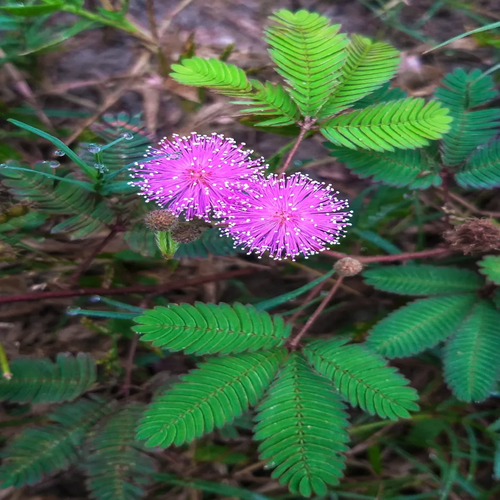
x,y
4,364
435,252
293,344
125,290
305,127
88,261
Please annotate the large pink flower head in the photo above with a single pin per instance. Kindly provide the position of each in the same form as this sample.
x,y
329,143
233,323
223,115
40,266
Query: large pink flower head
x,y
195,175
287,217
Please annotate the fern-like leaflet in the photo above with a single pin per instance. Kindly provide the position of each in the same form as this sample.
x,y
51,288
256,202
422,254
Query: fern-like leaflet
x,y
116,467
363,378
471,365
456,315
208,398
41,381
51,448
301,423
461,93
210,329
368,66
309,54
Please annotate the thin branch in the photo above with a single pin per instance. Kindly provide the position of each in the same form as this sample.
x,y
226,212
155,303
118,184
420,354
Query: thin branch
x,y
305,127
435,252
310,296
294,342
471,207
124,290
75,277
127,382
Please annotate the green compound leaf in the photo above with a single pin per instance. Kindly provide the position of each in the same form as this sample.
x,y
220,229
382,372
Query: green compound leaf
x,y
83,225
302,425
363,378
471,366
399,168
482,169
461,92
368,66
490,267
208,398
422,280
116,467
41,381
404,124
420,325
274,101
210,329
45,450
214,74
48,197
308,53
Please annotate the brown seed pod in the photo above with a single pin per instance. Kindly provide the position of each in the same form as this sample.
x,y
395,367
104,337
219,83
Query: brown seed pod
x,y
348,267
161,220
474,236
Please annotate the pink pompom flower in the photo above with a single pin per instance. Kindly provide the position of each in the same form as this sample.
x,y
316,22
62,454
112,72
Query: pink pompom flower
x,y
286,216
195,175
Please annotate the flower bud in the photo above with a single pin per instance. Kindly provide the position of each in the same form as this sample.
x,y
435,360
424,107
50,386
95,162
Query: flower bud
x,y
186,232
161,220
348,267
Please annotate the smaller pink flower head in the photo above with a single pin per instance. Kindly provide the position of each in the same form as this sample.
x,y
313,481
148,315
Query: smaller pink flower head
x,y
287,217
196,174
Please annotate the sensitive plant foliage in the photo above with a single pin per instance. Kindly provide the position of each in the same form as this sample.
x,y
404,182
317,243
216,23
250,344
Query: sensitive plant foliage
x,y
455,312
194,176
296,392
297,439
326,74
467,152
286,216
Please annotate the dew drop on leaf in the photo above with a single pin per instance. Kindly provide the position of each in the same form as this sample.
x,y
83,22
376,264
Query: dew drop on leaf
x,y
58,152
128,136
54,164
101,168
94,148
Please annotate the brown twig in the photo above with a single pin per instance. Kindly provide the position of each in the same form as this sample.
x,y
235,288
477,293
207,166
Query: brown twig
x,y
435,252
127,381
95,252
305,127
124,290
294,342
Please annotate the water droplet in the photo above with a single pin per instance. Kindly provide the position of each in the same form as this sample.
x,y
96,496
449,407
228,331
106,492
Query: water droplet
x,y
95,298
73,311
101,168
128,136
94,148
58,152
54,164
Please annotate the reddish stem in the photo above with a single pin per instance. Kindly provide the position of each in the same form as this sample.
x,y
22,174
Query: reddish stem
x,y
294,342
305,127
310,296
60,294
435,252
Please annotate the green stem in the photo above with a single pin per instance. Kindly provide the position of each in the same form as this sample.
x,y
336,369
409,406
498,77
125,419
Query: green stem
x,y
4,364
